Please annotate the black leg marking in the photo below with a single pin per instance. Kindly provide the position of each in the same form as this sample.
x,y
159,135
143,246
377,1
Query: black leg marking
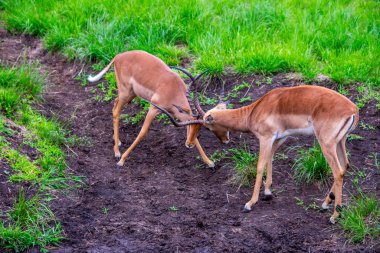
x,y
267,197
332,196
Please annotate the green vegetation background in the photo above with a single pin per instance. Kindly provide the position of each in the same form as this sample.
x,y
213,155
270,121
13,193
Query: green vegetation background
x,y
335,38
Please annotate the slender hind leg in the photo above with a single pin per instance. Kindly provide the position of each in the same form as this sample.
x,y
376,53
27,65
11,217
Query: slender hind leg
x,y
330,152
342,153
152,113
343,161
118,105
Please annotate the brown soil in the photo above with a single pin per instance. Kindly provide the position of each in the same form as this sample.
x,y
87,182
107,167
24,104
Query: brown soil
x,y
129,209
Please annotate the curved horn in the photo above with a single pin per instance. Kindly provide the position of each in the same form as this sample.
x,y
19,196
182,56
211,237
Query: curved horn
x,y
196,97
193,109
175,123
183,71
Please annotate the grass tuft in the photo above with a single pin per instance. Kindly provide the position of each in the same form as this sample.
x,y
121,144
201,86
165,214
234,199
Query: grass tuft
x,y
245,164
17,83
30,223
311,166
361,219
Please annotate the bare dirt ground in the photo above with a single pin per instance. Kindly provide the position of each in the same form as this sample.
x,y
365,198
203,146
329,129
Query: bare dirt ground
x,y
128,209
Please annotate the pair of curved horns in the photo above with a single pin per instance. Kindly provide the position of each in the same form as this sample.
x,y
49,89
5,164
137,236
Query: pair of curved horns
x,y
175,123
195,104
194,81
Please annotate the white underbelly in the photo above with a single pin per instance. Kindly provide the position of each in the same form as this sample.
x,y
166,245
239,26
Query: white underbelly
x,y
291,132
298,131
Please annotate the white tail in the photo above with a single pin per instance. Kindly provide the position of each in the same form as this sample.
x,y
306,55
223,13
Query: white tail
x,y
92,79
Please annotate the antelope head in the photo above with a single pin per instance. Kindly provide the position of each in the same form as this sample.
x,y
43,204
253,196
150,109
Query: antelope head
x,y
212,116
200,117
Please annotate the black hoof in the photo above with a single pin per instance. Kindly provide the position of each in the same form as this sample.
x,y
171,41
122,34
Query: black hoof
x,y
118,167
246,210
214,169
323,210
332,196
267,197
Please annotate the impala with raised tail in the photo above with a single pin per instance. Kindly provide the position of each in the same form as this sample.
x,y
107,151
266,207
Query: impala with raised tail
x,y
283,112
146,76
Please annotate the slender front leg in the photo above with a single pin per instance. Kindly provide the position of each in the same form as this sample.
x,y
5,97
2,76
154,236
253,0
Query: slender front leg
x,y
203,154
152,113
268,181
265,153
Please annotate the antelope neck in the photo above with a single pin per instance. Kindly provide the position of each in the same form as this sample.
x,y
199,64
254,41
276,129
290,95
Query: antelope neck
x,y
234,119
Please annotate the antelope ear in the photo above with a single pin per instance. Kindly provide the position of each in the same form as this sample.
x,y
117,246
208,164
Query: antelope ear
x,y
221,106
209,119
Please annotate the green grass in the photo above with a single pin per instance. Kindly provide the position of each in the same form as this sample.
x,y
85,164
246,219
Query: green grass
x,y
18,83
336,38
311,166
244,163
29,223
361,219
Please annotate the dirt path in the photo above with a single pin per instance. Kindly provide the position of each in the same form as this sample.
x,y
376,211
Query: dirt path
x,y
128,209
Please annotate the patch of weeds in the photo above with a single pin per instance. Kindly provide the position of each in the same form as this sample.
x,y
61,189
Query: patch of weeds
x,y
354,137
366,93
342,90
311,166
360,220
245,164
138,117
26,170
282,189
258,83
105,91
83,79
5,130
365,126
173,209
301,203
269,80
105,210
163,118
357,176
97,98
230,106
204,100
373,157
218,156
236,89
246,99
29,223
281,156
112,87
